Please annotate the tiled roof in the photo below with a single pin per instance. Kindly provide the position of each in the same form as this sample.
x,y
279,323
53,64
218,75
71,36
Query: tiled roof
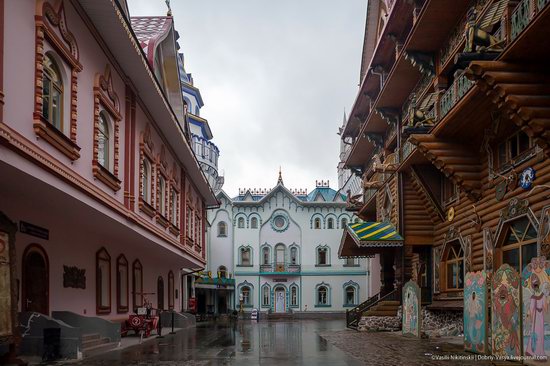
x,y
150,31
328,194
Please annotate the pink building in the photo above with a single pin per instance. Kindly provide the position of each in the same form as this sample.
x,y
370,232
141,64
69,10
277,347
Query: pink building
x,y
95,162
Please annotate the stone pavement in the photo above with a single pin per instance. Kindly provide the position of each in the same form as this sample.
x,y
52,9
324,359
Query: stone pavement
x,y
391,348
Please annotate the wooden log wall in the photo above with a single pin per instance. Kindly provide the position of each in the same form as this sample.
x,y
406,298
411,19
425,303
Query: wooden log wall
x,y
418,214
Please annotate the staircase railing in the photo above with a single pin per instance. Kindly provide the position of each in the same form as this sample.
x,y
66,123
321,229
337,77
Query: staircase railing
x,y
353,316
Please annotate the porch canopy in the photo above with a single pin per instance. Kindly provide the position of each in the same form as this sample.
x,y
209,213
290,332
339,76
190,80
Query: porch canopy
x,y
366,239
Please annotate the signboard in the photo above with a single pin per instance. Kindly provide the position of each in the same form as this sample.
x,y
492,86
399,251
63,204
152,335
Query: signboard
x,y
33,230
279,280
254,314
6,326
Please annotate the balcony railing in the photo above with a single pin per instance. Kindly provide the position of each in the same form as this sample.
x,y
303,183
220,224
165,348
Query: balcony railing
x,y
275,268
406,150
524,14
454,94
368,193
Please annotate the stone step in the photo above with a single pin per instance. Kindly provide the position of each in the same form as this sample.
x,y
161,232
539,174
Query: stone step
x,y
91,336
101,348
89,343
380,313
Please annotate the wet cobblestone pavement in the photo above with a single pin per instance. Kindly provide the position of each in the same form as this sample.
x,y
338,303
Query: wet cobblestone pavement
x,y
305,342
391,348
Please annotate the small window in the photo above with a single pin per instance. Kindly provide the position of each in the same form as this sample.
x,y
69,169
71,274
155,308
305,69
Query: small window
x,y
293,255
317,223
240,223
322,256
146,180
330,223
455,266
322,295
122,284
265,255
293,296
137,284
265,296
254,223
344,222
351,262
449,191
222,272
104,142
513,149
222,229
349,296
52,93
245,292
103,282
245,257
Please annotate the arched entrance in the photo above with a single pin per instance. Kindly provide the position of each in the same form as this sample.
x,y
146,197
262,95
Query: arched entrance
x,y
160,293
35,280
280,299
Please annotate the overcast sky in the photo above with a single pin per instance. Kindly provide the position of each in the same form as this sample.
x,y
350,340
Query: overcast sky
x,y
275,77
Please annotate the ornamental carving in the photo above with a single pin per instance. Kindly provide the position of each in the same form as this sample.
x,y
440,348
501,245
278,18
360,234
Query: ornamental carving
x,y
544,232
488,249
452,234
468,254
74,277
437,251
514,209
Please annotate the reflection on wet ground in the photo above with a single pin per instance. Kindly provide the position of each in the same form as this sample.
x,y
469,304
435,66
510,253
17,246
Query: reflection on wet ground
x,y
243,343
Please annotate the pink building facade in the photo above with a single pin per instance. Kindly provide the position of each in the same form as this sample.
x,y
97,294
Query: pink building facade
x,y
95,162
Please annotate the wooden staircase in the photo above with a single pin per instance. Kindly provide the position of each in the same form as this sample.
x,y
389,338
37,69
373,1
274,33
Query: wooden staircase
x,y
385,305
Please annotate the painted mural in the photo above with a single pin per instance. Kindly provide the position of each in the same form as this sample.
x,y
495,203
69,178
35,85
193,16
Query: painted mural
x,y
506,320
475,312
411,321
535,282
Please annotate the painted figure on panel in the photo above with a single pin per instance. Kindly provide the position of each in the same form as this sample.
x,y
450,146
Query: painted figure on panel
x,y
411,309
506,307
475,312
536,292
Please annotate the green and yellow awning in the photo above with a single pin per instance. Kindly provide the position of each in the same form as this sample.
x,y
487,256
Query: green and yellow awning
x,y
365,239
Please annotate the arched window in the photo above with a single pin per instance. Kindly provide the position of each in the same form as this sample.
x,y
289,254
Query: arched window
x,y
454,264
330,223
317,223
344,222
322,256
265,255
246,257
254,223
103,282
240,223
280,252
122,284
520,244
171,290
137,284
322,295
174,203
52,93
160,293
222,229
146,180
349,294
104,142
266,295
245,292
293,255
293,295
222,272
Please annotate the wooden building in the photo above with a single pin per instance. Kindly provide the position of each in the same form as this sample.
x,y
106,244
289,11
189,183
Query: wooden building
x,y
449,135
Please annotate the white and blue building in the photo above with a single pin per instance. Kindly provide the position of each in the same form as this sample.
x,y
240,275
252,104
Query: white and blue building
x,y
281,245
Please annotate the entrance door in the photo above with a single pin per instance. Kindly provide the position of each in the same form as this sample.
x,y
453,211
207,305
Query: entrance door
x,y
222,304
280,300
160,293
35,280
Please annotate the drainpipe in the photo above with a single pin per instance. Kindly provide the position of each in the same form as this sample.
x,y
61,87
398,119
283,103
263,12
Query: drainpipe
x,y
401,226
379,71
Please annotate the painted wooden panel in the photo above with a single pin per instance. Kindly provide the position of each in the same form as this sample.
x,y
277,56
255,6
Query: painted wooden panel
x,y
535,282
411,321
475,312
506,319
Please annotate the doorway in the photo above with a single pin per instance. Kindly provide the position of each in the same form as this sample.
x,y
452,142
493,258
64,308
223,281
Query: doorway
x,y
35,280
222,303
160,293
280,294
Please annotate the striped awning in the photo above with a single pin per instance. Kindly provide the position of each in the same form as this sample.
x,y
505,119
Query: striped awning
x,y
375,233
